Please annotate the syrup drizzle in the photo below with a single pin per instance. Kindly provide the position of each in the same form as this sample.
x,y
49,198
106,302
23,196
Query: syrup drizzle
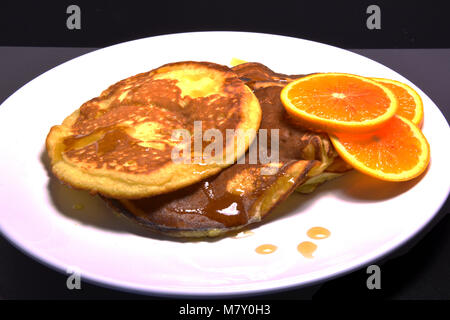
x,y
318,233
307,248
266,249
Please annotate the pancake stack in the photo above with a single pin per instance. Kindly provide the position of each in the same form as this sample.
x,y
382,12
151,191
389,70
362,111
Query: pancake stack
x,y
120,146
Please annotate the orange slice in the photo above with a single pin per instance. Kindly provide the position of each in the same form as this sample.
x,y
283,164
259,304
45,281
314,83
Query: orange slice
x,y
339,102
396,152
410,104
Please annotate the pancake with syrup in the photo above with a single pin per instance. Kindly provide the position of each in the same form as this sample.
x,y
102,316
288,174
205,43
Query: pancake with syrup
x,y
120,143
243,193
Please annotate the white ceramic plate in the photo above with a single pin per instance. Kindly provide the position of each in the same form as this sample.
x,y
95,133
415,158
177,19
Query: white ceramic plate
x,y
367,218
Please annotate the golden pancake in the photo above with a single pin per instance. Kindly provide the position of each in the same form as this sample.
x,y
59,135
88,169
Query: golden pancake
x,y
120,144
244,193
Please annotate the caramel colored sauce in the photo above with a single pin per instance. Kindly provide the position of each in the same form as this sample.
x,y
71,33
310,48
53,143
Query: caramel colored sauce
x,y
266,249
106,139
82,140
307,248
318,233
227,210
112,140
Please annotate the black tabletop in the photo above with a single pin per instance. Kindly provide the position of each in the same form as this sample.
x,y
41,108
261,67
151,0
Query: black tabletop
x,y
417,270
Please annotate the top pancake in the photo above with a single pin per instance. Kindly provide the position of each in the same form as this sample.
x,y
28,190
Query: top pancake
x,y
120,143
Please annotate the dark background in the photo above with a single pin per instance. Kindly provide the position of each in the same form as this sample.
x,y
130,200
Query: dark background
x,y
405,24
413,41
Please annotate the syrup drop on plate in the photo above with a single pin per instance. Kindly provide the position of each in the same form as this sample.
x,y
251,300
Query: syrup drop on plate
x,y
318,233
266,249
307,248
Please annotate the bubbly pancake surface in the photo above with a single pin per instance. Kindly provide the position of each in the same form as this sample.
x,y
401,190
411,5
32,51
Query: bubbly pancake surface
x,y
120,144
243,193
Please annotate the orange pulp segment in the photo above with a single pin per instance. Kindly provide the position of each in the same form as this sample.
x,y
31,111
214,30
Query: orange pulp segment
x,y
339,102
410,104
396,152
